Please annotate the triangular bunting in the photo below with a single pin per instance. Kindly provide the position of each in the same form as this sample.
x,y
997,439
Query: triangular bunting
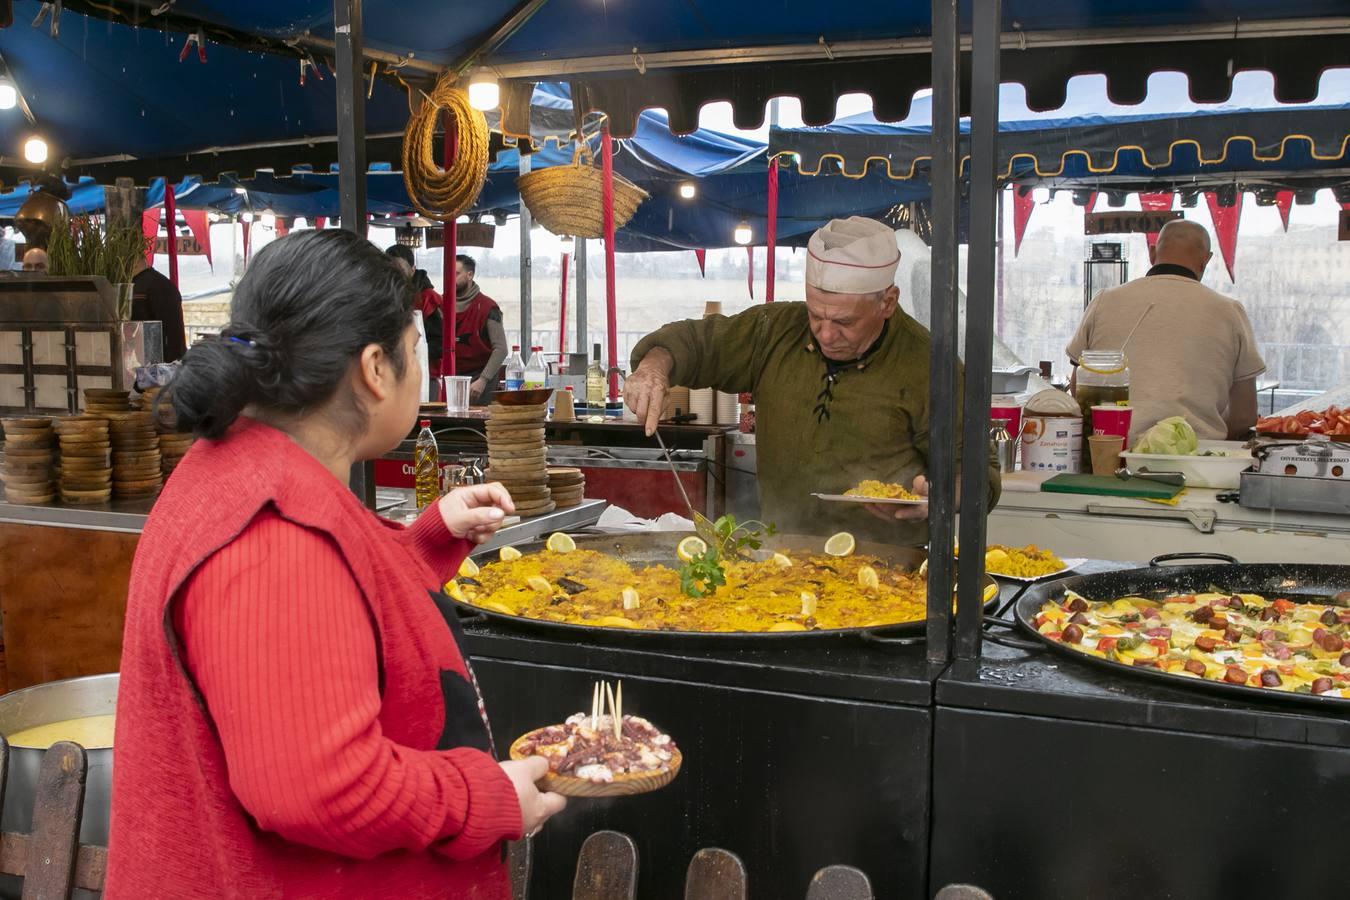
x,y
702,257
750,270
1154,203
200,227
150,228
1284,201
1023,204
1226,219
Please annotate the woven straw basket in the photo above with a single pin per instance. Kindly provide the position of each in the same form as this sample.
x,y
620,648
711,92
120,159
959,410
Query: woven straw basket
x,y
569,200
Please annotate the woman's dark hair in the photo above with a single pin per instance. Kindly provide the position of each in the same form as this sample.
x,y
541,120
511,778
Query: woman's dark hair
x,y
421,281
400,251
308,305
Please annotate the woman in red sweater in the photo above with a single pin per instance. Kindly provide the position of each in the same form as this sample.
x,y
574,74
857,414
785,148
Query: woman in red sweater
x,y
296,716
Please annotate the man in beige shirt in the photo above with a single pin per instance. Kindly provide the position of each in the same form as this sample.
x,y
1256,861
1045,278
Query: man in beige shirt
x,y
1194,354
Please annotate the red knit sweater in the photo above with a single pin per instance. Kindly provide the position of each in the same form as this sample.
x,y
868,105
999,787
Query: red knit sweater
x,y
286,682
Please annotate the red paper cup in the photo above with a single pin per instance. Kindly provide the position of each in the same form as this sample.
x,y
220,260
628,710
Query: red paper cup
x,y
1112,420
1010,414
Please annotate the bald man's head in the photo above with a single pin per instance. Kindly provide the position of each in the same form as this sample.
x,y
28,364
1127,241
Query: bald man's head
x,y
1183,243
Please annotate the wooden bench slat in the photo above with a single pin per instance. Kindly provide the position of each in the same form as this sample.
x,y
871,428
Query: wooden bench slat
x,y
715,874
50,871
606,868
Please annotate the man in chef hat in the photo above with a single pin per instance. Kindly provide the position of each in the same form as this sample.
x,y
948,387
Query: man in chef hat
x,y
840,385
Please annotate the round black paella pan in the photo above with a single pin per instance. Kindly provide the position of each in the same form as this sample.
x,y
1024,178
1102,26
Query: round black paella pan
x,y
1297,582
659,548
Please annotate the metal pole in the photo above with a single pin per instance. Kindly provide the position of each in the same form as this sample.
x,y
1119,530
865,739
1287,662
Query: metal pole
x,y
1002,258
526,282
171,219
351,128
984,64
579,265
942,368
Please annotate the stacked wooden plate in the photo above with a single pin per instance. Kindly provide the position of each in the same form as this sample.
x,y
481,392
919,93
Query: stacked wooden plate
x,y
567,486
172,449
135,454
27,470
86,463
517,456
101,401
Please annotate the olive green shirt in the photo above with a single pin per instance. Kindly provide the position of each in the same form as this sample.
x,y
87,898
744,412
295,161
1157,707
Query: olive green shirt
x,y
814,433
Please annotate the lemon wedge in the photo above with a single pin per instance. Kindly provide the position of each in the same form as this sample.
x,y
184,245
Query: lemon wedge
x,y
630,598
540,584
841,544
867,577
690,547
561,543
782,561
468,568
454,591
808,603
509,554
990,592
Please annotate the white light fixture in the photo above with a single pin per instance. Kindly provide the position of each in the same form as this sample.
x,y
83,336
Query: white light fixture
x,y
248,217
268,220
35,150
484,92
9,94
688,190
214,217
241,191
743,233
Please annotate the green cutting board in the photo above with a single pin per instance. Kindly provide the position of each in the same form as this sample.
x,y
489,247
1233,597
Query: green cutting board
x,y
1110,486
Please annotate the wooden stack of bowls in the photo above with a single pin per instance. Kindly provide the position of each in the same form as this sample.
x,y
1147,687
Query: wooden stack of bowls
x,y
27,469
86,462
517,456
567,487
101,401
172,449
135,454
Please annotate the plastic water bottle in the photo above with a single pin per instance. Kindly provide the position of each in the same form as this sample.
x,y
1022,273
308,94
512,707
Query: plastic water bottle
x,y
536,372
514,379
427,464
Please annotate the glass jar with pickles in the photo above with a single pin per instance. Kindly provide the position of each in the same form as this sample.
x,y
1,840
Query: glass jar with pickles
x,y
1102,379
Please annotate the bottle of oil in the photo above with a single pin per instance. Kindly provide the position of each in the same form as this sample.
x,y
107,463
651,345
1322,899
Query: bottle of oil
x,y
426,463
595,383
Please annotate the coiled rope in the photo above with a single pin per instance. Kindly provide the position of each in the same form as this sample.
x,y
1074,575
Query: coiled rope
x,y
438,193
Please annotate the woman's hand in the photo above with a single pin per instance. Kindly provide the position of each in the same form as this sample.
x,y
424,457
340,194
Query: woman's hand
x,y
476,388
476,512
536,807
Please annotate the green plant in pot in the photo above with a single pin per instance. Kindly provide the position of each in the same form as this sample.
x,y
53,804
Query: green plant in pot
x,y
87,248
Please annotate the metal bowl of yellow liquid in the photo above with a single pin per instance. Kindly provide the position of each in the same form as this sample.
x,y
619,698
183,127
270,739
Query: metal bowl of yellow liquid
x,y
34,718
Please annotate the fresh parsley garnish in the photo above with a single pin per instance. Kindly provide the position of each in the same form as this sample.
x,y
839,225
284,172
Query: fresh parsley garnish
x,y
705,573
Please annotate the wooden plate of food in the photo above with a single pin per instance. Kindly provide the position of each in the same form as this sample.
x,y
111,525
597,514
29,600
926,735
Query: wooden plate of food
x,y
592,756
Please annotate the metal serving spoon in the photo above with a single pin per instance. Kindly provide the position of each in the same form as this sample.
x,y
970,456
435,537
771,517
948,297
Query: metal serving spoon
x,y
1173,478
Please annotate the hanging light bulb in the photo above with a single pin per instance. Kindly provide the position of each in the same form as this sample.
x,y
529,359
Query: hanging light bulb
x,y
268,220
248,217
484,92
241,191
743,233
688,190
214,217
9,94
35,150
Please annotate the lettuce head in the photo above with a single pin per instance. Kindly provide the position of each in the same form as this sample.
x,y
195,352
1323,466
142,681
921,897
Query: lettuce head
x,y
1171,437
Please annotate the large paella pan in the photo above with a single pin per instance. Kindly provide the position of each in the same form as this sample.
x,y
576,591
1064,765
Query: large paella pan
x,y
627,590
1269,631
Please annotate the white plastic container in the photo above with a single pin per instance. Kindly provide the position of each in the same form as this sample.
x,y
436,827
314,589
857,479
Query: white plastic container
x,y
1052,444
1221,473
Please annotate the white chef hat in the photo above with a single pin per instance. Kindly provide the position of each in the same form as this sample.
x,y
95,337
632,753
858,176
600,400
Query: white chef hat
x,y
852,256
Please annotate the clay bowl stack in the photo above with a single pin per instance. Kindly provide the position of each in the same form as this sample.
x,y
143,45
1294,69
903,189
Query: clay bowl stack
x,y
516,456
86,461
101,401
172,449
135,454
27,470
566,486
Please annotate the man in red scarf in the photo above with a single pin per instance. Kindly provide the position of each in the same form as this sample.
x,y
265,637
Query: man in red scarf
x,y
480,336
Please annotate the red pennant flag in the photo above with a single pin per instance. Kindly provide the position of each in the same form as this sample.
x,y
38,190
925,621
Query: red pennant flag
x,y
1092,202
150,228
702,257
321,222
750,271
201,229
1154,203
1226,220
1284,200
248,234
282,227
1023,204
171,222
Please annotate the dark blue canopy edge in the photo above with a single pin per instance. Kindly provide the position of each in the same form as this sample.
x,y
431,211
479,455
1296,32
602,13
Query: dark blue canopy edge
x,y
581,31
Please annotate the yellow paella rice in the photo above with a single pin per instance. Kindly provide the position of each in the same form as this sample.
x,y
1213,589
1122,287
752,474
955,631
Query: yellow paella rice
x,y
590,588
881,490
1021,562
